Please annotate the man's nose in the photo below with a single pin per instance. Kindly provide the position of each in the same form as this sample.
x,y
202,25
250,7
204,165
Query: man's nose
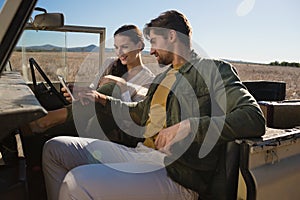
x,y
152,51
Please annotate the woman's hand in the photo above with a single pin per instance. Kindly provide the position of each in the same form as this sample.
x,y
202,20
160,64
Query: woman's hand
x,y
75,91
167,137
66,94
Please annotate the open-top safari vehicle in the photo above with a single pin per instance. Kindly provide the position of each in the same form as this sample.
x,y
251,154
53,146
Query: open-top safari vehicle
x,y
258,168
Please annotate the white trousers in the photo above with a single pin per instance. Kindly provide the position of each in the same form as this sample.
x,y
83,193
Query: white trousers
x,y
84,168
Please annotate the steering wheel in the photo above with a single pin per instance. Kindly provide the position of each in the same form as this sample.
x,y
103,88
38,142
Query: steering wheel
x,y
49,98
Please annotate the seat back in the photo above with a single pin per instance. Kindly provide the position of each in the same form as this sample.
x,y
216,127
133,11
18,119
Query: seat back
x,y
225,182
267,90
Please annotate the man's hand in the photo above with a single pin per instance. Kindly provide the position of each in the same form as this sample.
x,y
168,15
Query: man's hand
x,y
91,95
167,137
114,79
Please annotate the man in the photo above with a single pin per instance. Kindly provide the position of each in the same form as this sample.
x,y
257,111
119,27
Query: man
x,y
190,112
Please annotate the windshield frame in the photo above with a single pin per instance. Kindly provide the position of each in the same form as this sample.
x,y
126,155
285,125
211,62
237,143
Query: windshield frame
x,y
13,18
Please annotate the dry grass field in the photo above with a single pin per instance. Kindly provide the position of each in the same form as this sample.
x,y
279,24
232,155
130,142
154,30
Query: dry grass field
x,y
86,64
290,75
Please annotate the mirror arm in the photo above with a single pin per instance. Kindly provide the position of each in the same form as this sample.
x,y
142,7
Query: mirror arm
x,y
40,9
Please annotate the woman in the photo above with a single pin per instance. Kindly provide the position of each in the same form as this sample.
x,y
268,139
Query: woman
x,y
128,67
127,71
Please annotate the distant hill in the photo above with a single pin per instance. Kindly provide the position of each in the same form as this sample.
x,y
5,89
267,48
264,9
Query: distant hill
x,y
243,62
51,48
89,48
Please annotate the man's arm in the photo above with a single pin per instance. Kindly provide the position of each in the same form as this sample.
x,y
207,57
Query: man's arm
x,y
242,117
121,111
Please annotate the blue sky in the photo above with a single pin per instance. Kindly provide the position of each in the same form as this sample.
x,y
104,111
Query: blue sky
x,y
249,30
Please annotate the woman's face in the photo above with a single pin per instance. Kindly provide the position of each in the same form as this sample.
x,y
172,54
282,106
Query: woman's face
x,y
126,50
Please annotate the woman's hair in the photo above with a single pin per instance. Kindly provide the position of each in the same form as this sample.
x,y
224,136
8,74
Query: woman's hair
x,y
118,69
170,20
131,31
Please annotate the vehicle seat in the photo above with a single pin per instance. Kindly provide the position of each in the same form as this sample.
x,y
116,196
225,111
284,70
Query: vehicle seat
x,y
13,183
225,182
267,90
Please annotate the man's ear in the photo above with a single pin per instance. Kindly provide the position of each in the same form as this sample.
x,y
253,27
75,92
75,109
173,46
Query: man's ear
x,y
172,35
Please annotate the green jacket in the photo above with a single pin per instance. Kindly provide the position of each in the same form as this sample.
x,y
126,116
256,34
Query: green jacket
x,y
219,108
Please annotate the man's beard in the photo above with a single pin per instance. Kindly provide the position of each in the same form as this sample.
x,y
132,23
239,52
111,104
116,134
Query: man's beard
x,y
166,60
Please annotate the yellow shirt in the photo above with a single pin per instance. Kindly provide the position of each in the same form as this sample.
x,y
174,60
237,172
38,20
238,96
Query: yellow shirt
x,y
157,114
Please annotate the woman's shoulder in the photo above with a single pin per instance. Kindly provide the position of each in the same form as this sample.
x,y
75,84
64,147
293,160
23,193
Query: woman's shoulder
x,y
144,77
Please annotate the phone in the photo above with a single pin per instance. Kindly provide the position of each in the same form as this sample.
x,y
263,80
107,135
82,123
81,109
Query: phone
x,y
63,82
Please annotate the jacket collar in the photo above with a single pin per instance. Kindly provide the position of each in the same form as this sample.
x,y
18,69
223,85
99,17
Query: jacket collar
x,y
188,65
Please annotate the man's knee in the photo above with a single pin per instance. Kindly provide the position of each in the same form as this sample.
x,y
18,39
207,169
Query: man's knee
x,y
74,185
53,145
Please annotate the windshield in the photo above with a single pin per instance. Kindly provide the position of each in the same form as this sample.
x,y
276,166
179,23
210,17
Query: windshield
x,y
56,52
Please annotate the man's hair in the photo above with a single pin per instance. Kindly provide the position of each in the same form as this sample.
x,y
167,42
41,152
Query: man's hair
x,y
131,31
173,20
